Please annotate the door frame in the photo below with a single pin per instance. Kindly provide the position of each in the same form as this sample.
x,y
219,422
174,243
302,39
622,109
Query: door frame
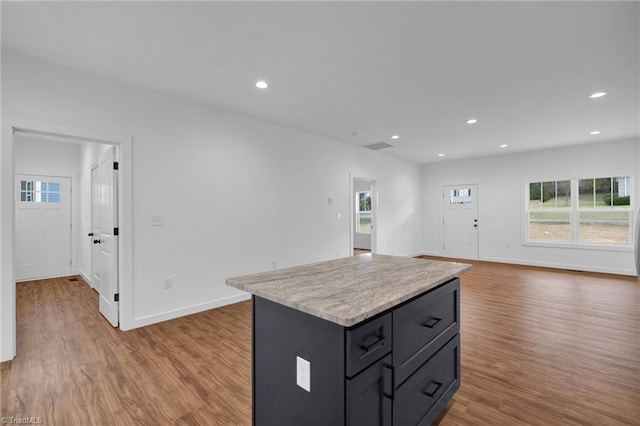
x,y
94,167
374,212
10,125
442,235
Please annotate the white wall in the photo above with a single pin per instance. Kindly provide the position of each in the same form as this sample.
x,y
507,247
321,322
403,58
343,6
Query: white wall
x,y
236,193
502,181
38,155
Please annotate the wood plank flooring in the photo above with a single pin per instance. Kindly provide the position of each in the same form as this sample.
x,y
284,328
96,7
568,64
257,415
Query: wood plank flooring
x,y
73,368
539,347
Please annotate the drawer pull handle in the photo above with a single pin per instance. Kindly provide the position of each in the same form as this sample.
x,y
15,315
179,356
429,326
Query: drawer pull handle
x,y
388,375
432,322
432,389
374,345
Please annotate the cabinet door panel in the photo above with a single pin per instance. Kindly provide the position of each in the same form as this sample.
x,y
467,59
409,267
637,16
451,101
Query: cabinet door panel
x,y
367,404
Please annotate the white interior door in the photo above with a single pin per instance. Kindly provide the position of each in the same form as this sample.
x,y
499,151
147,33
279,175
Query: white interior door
x,y
460,221
105,237
43,227
95,228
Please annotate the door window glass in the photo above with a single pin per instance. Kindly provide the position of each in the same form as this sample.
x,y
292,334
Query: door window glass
x,y
460,196
35,191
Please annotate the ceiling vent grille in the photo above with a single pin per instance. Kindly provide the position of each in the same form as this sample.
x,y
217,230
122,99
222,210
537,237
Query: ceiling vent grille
x,y
378,145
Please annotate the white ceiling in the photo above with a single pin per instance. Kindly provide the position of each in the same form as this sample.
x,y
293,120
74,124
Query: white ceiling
x,y
416,69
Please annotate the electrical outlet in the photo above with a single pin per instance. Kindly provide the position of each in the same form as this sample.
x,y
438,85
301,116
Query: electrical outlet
x,y
274,264
167,283
303,373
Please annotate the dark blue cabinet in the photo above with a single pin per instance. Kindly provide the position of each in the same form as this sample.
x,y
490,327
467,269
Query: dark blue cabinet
x,y
399,368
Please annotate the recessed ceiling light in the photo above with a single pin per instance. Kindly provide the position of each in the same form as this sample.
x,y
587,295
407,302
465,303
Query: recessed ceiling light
x,y
262,84
595,132
504,145
395,137
472,121
440,155
597,95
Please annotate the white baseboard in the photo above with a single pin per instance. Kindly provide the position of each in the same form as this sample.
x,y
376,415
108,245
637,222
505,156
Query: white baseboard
x,y
84,276
586,268
193,309
418,253
431,253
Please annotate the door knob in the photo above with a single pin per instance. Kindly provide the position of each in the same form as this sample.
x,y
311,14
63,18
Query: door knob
x,y
97,242
90,234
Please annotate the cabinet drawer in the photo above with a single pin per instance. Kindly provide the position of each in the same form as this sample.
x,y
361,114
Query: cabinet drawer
x,y
422,326
423,396
366,343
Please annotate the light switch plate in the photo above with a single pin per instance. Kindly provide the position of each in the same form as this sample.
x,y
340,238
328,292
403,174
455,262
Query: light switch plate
x,y
157,220
303,373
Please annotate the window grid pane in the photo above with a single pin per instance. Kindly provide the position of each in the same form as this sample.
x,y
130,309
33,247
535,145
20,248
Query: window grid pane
x,y
605,227
550,226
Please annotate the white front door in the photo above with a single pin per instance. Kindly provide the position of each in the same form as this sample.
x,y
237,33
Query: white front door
x,y
460,221
105,237
43,227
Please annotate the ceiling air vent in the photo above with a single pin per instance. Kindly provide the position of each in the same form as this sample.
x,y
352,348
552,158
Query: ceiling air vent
x,y
378,145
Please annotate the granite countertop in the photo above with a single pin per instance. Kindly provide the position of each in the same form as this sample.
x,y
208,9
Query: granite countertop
x,y
349,290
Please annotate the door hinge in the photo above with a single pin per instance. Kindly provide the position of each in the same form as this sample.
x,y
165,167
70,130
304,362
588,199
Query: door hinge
x,y
115,165
116,231
116,297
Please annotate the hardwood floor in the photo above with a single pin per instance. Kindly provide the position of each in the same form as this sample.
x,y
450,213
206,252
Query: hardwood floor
x,y
73,368
547,347
539,347
358,252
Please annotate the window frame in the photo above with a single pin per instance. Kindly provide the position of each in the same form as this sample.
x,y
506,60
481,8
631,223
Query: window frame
x,y
574,216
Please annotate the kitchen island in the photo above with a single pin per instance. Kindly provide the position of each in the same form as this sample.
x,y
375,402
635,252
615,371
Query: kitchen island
x,y
364,340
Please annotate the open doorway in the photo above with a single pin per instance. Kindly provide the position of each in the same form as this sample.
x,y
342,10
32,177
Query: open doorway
x,y
40,184
364,202
59,184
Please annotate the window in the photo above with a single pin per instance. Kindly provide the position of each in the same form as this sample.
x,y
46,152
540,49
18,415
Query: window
x,y
39,192
460,196
363,212
589,211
